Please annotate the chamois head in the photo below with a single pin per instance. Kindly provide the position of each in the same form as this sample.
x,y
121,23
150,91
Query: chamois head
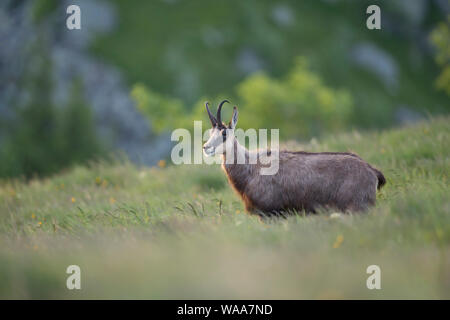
x,y
220,133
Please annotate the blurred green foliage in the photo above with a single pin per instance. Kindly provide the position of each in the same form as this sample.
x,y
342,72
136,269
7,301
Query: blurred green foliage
x,y
44,138
200,48
162,112
42,8
79,139
178,54
441,39
299,104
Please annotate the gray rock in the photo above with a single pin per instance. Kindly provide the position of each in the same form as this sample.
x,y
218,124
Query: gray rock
x,y
412,10
377,61
118,122
248,61
444,5
405,115
212,37
283,15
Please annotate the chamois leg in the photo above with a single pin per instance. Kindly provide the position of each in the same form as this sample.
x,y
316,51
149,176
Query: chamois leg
x,y
362,202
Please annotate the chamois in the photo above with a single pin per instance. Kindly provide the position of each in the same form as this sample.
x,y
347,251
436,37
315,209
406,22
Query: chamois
x,y
304,181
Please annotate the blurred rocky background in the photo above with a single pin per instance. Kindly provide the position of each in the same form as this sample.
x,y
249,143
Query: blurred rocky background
x,y
138,69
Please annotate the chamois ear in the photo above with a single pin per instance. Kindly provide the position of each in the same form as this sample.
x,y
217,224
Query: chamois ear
x,y
234,118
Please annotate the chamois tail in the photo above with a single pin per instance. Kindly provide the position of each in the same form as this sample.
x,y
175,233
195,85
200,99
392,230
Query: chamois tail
x,y
380,176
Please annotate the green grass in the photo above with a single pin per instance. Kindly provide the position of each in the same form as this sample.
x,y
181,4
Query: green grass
x,y
180,232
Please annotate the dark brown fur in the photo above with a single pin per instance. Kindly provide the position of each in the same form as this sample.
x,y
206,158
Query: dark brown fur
x,y
307,181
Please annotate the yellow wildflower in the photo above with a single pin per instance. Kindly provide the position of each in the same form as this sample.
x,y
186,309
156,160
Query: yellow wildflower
x,y
73,200
338,242
161,163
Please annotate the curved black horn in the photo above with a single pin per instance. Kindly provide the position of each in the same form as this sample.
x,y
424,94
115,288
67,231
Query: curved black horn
x,y
219,110
211,117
